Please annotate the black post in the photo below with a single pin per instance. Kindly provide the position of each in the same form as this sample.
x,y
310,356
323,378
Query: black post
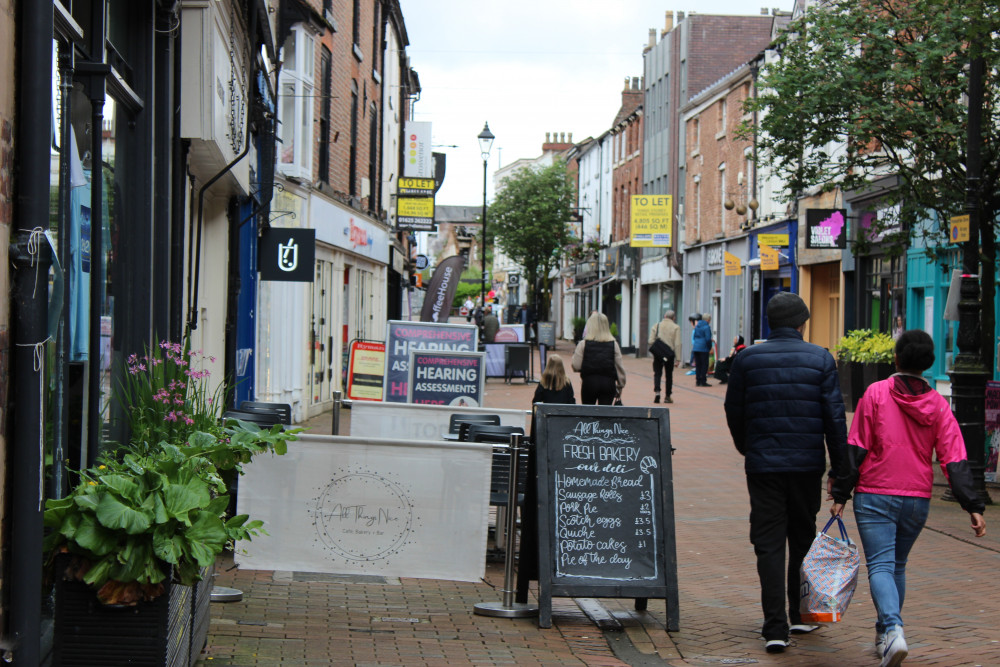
x,y
482,295
968,377
30,257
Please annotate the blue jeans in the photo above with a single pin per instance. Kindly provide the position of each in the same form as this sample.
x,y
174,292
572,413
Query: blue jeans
x,y
888,525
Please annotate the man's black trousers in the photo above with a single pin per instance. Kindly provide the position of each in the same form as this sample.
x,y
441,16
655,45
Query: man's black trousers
x,y
667,366
783,508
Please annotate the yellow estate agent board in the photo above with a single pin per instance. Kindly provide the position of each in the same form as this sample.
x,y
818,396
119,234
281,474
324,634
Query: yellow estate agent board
x,y
650,220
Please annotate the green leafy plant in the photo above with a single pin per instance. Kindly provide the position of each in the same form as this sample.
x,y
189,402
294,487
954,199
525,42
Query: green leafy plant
x,y
866,346
578,324
156,507
614,329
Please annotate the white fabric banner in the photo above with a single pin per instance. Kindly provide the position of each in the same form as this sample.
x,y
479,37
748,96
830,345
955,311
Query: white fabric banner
x,y
348,505
418,422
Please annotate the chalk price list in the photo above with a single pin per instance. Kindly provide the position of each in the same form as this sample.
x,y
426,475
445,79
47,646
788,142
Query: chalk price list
x,y
605,523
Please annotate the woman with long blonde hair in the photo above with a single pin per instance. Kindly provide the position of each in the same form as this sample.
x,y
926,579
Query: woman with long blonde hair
x,y
598,360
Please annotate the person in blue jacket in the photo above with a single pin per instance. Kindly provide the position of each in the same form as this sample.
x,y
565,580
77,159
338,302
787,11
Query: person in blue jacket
x,y
782,404
701,344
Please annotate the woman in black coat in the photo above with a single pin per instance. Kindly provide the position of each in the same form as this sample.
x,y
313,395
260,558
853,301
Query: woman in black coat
x,y
598,360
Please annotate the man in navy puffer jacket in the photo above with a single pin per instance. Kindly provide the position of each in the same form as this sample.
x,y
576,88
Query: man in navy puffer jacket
x,y
783,402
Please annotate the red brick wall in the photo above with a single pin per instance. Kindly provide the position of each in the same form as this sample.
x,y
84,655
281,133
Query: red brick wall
x,y
626,175
349,72
710,144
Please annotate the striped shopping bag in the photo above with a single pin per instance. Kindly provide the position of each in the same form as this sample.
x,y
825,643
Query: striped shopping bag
x,y
829,575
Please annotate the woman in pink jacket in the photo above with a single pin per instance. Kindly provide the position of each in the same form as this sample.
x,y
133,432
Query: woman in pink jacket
x,y
899,425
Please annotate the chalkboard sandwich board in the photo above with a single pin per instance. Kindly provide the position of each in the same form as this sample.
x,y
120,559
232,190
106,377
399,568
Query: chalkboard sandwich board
x,y
605,506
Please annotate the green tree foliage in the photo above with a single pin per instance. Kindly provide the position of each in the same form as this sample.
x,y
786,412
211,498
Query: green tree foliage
x,y
870,88
527,220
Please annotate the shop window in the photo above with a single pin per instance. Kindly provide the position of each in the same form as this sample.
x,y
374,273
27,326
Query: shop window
x,y
295,113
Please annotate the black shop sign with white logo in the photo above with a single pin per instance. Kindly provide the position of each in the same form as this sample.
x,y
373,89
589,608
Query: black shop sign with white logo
x,y
287,254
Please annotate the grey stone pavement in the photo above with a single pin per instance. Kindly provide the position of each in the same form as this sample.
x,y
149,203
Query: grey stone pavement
x,y
296,618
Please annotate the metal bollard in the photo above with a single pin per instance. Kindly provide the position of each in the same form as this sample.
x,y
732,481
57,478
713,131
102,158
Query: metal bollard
x,y
336,413
508,608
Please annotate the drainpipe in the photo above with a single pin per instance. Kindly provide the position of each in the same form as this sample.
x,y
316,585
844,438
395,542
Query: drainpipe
x,y
29,255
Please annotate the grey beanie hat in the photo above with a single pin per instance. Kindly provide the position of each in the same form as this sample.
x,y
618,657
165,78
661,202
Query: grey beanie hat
x,y
786,309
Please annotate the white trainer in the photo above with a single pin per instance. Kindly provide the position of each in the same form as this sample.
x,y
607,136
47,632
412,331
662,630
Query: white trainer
x,y
895,647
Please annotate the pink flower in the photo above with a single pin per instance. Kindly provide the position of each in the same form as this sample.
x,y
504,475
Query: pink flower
x,y
171,416
212,359
187,420
132,359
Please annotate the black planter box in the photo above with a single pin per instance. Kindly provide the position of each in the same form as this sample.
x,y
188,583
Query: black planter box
x,y
87,633
844,375
872,373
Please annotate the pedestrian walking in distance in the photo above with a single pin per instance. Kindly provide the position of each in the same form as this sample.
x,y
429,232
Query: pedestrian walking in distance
x,y
782,404
598,360
668,332
900,426
701,343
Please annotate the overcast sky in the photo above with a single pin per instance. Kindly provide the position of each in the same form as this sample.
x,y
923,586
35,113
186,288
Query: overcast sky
x,y
528,67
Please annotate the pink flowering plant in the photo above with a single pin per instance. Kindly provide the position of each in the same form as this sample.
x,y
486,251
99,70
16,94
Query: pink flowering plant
x,y
166,395
157,506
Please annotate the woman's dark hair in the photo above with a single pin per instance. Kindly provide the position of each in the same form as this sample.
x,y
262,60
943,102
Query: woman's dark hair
x,y
914,351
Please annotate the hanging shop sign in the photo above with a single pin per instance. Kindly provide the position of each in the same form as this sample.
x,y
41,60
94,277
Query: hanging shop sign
x,y
287,254
768,258
732,264
826,228
650,221
417,162
773,240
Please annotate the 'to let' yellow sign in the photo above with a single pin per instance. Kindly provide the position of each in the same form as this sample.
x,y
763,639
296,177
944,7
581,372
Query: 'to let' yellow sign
x,y
650,219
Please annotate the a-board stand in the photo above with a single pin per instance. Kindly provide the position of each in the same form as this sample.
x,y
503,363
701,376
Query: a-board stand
x,y
508,608
605,504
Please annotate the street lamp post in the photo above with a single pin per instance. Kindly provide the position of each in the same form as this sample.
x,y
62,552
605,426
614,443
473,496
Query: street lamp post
x,y
968,377
485,143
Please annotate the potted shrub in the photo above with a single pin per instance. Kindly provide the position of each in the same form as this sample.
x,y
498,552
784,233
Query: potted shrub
x,y
146,523
578,324
876,357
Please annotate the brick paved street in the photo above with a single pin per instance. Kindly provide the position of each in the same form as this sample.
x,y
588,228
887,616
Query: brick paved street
x,y
290,618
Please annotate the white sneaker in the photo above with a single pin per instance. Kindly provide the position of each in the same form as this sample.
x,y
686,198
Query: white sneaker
x,y
895,647
801,628
879,644
775,645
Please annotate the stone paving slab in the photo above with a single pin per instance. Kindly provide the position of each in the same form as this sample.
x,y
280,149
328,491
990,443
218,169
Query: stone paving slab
x,y
307,619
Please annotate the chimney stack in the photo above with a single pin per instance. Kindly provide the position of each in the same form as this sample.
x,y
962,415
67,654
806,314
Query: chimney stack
x,y
569,138
546,137
652,38
680,16
668,24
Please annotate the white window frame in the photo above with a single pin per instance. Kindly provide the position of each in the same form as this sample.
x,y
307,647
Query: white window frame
x,y
298,83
